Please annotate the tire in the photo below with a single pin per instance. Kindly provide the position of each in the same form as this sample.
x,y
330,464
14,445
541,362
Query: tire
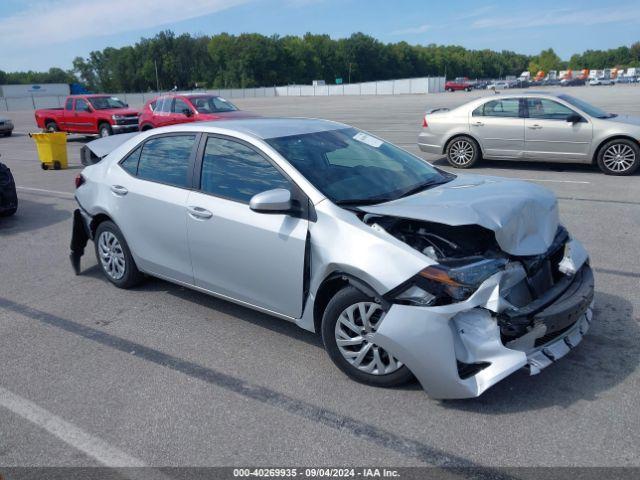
x,y
350,298
619,157
8,134
463,152
8,212
145,128
468,89
114,256
51,127
449,89
104,130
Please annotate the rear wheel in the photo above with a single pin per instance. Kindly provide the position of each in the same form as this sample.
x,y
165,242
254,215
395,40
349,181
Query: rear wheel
x,y
463,152
348,326
449,89
114,256
619,157
105,130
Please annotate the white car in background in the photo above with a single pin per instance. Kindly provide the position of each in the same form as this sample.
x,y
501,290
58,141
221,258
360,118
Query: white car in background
x,y
601,81
498,85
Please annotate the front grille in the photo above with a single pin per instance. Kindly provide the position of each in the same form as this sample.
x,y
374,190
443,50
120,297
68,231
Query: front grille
x,y
133,120
552,336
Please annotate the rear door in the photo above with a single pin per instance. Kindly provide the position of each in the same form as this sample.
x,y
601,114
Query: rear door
x,y
162,113
499,125
254,258
548,135
150,189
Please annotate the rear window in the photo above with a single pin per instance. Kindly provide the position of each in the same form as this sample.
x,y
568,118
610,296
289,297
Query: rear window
x,y
504,107
166,159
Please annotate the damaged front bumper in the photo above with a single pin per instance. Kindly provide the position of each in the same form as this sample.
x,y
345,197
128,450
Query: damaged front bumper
x,y
458,351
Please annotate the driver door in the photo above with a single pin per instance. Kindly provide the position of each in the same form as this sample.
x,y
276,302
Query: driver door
x,y
548,135
254,258
83,117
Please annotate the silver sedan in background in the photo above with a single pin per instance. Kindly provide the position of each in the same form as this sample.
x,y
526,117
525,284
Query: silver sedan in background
x,y
533,126
402,268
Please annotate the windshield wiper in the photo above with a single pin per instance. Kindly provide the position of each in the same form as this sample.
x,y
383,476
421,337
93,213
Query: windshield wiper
x,y
362,201
423,186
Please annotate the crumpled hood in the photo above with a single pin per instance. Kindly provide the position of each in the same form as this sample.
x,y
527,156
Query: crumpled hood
x,y
524,216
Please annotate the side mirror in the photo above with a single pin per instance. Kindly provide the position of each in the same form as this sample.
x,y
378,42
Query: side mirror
x,y
187,112
574,118
277,200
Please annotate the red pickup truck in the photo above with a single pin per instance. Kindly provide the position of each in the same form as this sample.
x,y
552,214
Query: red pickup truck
x,y
89,114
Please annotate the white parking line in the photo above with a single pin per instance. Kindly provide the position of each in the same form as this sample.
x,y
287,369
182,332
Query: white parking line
x,y
54,192
67,432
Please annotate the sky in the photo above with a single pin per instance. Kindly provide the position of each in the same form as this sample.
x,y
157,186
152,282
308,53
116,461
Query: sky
x,y
39,34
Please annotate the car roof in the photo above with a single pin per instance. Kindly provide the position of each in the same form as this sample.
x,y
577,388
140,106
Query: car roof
x,y
266,127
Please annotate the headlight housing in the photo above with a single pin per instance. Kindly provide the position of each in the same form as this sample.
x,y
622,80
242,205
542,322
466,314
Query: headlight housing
x,y
456,281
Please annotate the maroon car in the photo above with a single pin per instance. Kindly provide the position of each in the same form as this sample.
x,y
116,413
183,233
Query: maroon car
x,y
171,109
458,84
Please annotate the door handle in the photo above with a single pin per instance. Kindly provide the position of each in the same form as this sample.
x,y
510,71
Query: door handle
x,y
478,124
119,190
199,213
535,126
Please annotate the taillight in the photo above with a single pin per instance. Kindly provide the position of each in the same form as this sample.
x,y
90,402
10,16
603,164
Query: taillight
x,y
424,122
79,180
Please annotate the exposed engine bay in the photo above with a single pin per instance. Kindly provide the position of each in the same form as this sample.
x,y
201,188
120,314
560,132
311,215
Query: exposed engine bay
x,y
472,252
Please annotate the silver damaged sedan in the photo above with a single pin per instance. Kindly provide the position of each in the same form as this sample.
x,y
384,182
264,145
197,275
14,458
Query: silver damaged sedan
x,y
533,126
405,270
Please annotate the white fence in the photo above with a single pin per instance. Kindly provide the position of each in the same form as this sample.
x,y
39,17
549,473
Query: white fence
x,y
386,87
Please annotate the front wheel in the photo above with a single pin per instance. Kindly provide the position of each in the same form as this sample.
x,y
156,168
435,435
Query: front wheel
x,y
51,127
105,130
619,157
463,152
114,256
348,327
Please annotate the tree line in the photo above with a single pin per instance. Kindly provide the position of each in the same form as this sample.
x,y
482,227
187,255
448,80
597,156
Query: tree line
x,y
253,60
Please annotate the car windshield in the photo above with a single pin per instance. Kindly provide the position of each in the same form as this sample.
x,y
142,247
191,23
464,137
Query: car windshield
x,y
211,104
585,107
352,167
105,103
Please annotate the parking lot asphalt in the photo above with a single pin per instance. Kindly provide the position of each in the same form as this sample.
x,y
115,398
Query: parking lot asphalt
x,y
160,375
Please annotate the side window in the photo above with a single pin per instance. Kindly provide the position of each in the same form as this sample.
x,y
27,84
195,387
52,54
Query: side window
x,y
504,107
130,163
235,171
68,104
179,106
152,105
547,109
166,105
81,105
166,159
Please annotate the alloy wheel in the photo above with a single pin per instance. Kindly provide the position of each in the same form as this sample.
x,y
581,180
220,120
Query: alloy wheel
x,y
461,152
111,255
619,157
354,330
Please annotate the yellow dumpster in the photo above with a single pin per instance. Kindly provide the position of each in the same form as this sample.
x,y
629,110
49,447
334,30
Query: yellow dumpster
x,y
52,149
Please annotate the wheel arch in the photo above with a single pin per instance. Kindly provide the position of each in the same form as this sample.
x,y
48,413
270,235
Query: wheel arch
x,y
598,149
96,220
458,135
331,285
